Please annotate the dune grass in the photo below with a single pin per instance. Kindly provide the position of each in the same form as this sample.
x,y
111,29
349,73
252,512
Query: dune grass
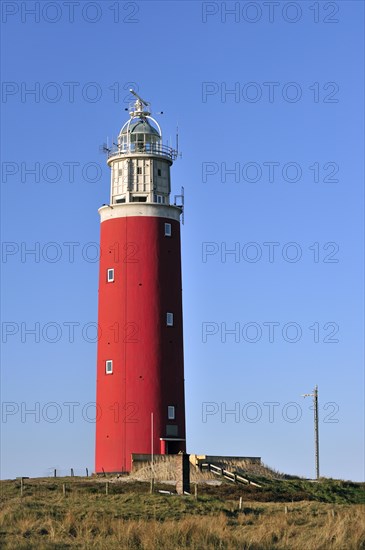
x,y
129,517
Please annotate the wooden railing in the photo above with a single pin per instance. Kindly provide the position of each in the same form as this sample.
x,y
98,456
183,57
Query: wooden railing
x,y
235,478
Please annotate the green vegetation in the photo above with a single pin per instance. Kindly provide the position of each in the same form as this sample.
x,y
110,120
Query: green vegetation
x,y
71,513
325,490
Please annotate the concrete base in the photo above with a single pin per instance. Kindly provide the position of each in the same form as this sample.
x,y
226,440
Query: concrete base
x,y
179,462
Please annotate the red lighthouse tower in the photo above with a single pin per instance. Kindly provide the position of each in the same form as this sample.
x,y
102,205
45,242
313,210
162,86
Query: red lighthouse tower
x,y
140,370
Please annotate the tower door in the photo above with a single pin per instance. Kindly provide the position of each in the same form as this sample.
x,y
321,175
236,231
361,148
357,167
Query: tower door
x,y
173,447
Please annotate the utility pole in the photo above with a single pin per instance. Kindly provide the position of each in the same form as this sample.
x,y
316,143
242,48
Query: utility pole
x,y
316,430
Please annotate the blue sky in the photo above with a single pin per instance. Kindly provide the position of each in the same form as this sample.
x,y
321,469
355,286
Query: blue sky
x,y
275,96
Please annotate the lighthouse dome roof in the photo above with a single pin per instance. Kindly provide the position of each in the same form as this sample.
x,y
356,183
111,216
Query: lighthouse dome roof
x,y
141,126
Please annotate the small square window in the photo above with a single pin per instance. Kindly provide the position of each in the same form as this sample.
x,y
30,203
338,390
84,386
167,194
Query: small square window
x,y
167,229
110,275
170,319
171,430
159,172
171,412
109,366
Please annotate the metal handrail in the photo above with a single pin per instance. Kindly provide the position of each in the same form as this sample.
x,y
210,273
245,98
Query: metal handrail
x,y
227,474
144,149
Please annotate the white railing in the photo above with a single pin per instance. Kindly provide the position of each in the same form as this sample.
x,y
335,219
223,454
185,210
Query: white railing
x,y
236,478
144,149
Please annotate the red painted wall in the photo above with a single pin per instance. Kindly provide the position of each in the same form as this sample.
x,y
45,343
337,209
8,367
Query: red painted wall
x,y
148,371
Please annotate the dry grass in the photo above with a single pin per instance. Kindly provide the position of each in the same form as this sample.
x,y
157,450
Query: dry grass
x,y
131,518
251,469
267,527
164,470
